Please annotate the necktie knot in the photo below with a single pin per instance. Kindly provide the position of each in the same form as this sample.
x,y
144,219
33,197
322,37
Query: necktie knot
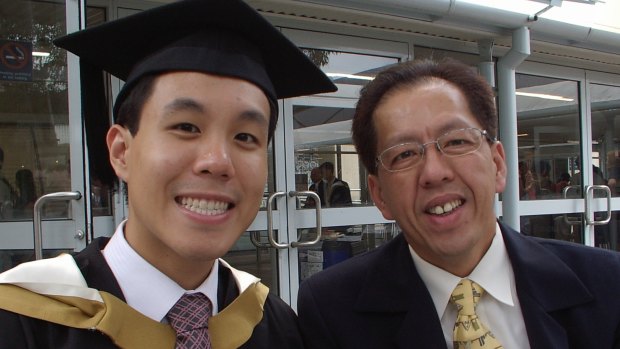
x,y
189,318
466,296
469,332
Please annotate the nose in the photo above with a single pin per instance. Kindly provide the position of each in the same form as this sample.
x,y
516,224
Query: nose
x,y
435,167
213,157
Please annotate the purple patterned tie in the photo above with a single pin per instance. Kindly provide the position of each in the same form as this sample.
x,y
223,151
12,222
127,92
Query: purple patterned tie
x,y
189,318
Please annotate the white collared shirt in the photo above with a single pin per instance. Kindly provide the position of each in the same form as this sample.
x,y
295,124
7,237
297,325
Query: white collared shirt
x,y
499,308
145,288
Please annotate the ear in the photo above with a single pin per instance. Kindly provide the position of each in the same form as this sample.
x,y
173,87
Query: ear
x,y
374,186
499,159
118,140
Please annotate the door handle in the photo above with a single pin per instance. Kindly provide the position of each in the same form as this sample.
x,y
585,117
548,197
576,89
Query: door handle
x,y
317,208
565,196
270,234
38,207
255,239
591,189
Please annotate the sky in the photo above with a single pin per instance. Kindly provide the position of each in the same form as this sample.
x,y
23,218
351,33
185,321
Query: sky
x,y
603,15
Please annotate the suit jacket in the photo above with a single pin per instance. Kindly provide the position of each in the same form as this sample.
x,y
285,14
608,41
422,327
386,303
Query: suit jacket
x,y
340,195
569,295
277,329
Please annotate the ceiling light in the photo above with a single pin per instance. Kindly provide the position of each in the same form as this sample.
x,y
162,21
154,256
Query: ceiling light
x,y
350,76
544,96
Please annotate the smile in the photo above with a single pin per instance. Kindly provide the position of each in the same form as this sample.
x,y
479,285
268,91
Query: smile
x,y
204,207
446,208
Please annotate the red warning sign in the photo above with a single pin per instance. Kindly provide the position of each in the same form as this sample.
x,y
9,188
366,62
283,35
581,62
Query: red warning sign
x,y
15,60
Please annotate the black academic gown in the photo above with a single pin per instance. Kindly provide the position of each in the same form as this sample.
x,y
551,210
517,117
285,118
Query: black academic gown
x,y
277,329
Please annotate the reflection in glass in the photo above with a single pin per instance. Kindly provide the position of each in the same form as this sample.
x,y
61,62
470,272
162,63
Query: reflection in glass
x,y
34,123
341,243
323,135
548,136
253,254
567,227
605,108
11,258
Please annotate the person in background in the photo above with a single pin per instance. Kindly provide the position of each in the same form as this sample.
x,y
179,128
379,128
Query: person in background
x,y
315,177
7,193
456,277
333,191
563,182
27,195
527,183
193,123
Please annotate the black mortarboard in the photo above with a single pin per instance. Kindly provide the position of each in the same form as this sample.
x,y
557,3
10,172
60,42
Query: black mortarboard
x,y
222,37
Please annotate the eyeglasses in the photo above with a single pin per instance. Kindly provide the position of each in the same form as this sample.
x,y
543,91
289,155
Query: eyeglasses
x,y
455,143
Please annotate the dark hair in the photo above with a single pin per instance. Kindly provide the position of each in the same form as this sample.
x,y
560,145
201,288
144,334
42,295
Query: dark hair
x,y
479,95
1,155
328,165
131,108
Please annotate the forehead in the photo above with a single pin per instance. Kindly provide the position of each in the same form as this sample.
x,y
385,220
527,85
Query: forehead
x,y
207,88
426,109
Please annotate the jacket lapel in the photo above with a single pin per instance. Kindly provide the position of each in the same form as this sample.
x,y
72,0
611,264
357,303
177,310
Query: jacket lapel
x,y
544,285
394,287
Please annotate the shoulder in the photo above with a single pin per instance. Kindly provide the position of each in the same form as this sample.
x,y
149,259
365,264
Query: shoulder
x,y
542,260
580,257
18,331
574,255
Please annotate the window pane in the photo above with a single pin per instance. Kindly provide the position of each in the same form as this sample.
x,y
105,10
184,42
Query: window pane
x,y
34,124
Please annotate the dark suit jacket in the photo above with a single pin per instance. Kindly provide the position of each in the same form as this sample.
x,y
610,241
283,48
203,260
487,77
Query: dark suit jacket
x,y
340,196
569,295
277,329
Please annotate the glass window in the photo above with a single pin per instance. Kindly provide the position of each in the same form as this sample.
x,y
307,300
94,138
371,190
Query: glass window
x,y
323,133
548,136
34,124
605,109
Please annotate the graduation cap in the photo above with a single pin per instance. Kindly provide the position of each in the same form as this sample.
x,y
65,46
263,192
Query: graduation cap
x,y
221,37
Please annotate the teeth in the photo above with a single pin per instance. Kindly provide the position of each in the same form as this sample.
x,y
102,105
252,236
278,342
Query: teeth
x,y
205,207
447,207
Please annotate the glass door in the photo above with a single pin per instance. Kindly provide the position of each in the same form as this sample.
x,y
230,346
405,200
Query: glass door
x,y
349,222
604,106
567,145
330,216
40,134
295,234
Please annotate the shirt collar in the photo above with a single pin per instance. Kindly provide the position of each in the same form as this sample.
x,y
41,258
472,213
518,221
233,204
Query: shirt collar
x,y
494,273
138,278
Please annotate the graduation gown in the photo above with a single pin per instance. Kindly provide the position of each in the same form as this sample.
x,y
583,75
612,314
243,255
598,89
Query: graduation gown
x,y
276,328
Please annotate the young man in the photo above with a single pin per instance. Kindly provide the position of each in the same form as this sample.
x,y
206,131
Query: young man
x,y
193,123
426,132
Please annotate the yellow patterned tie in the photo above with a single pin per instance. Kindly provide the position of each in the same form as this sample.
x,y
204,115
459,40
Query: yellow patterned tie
x,y
469,332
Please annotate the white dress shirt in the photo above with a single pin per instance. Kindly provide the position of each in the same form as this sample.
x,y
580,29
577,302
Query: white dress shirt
x,y
499,307
145,288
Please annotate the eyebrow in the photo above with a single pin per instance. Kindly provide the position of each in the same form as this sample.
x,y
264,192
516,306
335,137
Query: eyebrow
x,y
183,104
447,127
191,105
